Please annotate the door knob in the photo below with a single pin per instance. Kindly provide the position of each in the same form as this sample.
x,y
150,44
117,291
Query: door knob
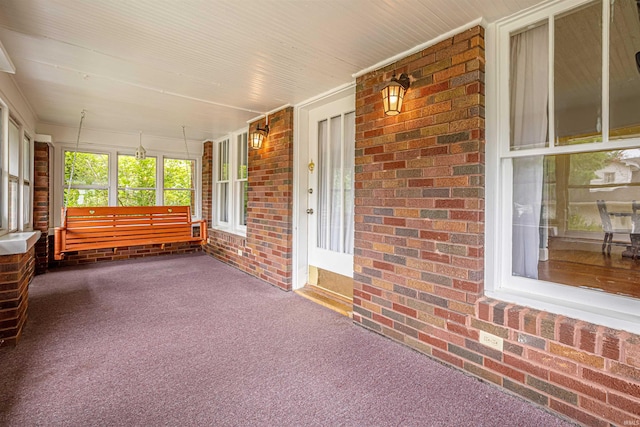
x,y
310,211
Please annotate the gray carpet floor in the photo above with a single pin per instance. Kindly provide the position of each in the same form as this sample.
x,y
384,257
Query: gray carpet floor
x,y
189,341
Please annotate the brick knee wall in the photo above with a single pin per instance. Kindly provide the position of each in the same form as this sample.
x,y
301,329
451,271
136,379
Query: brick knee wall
x,y
16,273
419,256
132,252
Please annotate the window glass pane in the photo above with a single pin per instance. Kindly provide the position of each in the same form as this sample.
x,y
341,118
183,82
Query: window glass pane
x,y
242,156
178,173
13,204
242,202
26,203
223,160
624,72
133,173
14,149
179,198
90,169
86,197
223,202
26,155
575,218
136,197
529,94
578,75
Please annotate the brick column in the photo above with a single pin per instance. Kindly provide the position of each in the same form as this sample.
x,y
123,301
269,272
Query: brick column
x,y
207,176
266,250
41,204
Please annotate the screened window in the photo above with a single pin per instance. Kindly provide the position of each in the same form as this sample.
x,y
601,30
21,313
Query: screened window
x,y
179,183
231,186
89,185
136,181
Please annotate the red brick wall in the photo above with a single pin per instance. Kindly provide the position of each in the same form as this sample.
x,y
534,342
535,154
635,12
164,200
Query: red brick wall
x,y
207,177
41,204
266,250
16,272
101,255
419,248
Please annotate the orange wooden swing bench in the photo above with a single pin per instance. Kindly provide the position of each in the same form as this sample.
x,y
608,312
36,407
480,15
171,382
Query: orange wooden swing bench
x,y
112,227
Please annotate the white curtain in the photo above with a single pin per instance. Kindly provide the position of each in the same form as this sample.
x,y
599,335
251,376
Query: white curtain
x,y
336,150
529,101
348,179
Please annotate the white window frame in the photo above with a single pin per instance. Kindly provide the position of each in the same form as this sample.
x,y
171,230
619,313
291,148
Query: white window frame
x,y
597,307
14,178
60,184
24,214
4,164
233,183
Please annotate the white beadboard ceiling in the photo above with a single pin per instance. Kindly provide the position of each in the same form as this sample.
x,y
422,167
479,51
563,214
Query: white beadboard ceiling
x,y
210,65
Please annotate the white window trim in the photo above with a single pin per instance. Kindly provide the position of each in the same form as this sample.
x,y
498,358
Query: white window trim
x,y
59,183
233,226
610,310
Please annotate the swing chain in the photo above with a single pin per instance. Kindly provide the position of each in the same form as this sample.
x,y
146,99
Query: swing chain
x,y
73,165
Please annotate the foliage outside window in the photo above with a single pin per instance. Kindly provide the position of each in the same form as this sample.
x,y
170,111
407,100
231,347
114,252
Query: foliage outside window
x,y
90,184
136,181
572,139
231,186
179,183
242,187
222,185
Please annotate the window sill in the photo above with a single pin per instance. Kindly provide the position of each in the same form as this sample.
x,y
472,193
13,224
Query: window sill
x,y
596,315
18,243
226,230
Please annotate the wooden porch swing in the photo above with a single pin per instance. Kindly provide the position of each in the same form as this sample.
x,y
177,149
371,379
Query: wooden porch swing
x,y
113,227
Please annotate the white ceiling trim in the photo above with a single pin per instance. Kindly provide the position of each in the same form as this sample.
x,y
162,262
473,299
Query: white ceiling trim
x,y
268,113
421,47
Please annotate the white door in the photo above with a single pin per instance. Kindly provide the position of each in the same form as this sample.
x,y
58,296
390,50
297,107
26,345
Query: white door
x,y
331,194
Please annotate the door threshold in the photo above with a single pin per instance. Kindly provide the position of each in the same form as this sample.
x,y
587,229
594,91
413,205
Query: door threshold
x,y
326,298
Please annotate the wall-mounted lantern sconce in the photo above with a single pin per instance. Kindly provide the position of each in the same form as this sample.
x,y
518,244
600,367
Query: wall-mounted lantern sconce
x,y
141,153
256,138
393,94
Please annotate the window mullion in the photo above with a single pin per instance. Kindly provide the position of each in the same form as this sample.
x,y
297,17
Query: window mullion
x,y
551,119
606,13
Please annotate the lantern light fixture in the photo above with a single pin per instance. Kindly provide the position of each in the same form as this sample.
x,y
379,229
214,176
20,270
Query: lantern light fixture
x,y
257,137
393,94
141,153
